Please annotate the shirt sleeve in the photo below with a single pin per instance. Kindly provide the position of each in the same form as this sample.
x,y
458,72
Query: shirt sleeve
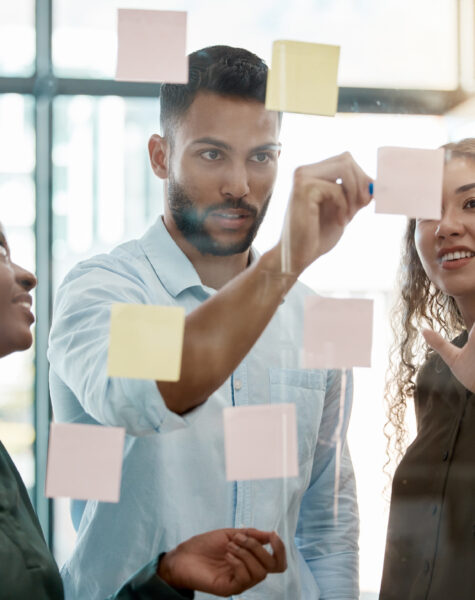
x,y
328,526
146,585
78,351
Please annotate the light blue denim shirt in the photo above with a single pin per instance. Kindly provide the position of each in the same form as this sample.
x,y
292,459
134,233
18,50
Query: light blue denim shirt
x,y
173,479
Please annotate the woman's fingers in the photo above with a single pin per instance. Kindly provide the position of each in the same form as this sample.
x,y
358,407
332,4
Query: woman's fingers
x,y
257,571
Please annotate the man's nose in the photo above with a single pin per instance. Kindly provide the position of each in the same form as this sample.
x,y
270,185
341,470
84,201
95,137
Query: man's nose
x,y
236,182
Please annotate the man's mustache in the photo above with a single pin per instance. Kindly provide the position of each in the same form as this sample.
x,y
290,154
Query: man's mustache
x,y
238,203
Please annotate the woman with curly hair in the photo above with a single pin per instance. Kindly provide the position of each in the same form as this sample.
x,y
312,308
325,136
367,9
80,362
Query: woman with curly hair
x,y
430,547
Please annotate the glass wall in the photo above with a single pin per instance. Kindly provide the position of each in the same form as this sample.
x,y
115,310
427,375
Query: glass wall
x,y
104,191
17,38
17,213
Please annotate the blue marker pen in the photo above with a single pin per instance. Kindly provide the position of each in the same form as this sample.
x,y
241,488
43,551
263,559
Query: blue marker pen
x,y
371,188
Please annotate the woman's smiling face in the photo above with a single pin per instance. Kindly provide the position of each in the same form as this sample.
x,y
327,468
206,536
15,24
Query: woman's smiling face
x,y
446,247
16,317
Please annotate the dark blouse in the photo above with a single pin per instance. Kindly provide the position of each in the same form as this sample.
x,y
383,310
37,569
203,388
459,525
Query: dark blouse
x,y
430,547
27,568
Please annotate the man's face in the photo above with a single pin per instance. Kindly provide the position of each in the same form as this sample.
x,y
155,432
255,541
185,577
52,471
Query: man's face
x,y
222,170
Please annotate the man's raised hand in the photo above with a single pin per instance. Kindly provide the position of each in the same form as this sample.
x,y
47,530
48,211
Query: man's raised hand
x,y
324,198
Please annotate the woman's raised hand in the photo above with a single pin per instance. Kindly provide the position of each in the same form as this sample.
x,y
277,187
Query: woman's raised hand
x,y
460,360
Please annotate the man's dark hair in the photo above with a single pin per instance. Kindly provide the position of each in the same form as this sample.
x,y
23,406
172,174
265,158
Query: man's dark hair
x,y
222,70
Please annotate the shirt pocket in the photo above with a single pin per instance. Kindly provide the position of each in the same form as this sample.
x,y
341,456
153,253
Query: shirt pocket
x,y
306,389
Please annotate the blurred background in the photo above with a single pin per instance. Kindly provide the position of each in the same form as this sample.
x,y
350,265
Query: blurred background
x,y
75,178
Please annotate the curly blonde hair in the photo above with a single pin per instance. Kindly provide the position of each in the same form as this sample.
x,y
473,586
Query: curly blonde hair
x,y
419,305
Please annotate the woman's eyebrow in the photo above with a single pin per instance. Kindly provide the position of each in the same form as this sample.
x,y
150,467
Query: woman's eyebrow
x,y
465,188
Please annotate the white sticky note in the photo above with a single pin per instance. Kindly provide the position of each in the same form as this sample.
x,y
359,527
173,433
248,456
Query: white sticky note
x,y
338,333
409,182
303,78
152,46
84,462
146,342
260,441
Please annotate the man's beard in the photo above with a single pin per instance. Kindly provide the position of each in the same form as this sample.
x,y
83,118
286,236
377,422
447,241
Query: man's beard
x,y
191,223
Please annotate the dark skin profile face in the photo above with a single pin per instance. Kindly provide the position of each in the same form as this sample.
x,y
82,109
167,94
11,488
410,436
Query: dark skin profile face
x,y
221,168
16,317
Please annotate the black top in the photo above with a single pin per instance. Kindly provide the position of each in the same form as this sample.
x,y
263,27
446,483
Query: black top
x,y
27,568
430,547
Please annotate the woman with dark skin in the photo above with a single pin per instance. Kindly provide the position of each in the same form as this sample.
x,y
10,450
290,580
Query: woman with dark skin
x,y
223,562
430,549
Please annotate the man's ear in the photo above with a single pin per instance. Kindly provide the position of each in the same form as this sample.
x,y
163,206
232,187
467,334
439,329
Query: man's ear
x,y
158,150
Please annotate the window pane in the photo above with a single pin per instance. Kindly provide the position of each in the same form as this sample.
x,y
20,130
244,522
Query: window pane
x,y
17,37
17,213
363,264
396,43
104,192
103,188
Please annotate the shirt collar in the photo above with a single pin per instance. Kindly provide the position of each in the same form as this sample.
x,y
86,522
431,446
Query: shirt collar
x,y
170,263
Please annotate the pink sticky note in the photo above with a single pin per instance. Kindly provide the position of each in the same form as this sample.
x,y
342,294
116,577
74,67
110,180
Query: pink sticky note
x,y
152,46
85,462
260,442
337,333
409,182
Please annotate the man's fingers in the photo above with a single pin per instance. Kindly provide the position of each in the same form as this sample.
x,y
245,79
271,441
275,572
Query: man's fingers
x,y
447,351
345,169
279,553
331,198
350,188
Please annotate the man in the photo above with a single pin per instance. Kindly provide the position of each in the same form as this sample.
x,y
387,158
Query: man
x,y
244,327
222,562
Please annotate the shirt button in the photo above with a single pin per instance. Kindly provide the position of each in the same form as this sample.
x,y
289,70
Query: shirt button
x,y
445,456
237,384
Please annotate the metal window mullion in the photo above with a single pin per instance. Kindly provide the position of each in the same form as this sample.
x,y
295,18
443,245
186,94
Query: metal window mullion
x,y
44,94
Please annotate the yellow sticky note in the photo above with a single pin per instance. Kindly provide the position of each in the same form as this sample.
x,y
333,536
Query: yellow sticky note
x,y
146,342
303,78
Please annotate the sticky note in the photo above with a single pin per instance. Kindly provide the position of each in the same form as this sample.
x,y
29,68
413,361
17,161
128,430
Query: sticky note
x,y
303,78
152,46
84,462
146,341
337,333
409,182
260,441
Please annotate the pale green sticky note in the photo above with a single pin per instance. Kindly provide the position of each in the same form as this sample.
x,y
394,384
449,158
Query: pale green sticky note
x,y
146,342
303,78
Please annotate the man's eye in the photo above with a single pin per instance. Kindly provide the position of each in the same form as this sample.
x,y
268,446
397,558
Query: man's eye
x,y
261,157
210,154
3,252
470,203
